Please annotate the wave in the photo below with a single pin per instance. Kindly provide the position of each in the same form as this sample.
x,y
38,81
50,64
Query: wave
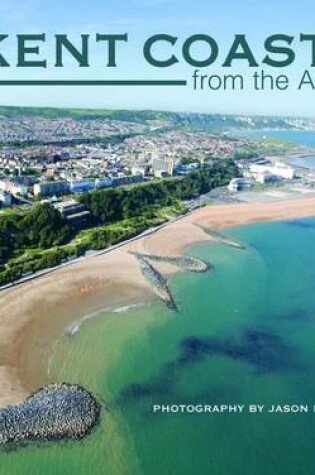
x,y
126,308
75,327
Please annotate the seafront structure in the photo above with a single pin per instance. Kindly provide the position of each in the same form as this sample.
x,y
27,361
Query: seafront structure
x,y
188,263
261,170
221,238
238,184
279,170
157,281
56,412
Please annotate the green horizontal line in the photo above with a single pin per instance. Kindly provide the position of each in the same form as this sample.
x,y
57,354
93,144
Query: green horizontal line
x,y
51,82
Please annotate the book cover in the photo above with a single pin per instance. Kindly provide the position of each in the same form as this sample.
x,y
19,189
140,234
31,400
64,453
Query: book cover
x,y
157,203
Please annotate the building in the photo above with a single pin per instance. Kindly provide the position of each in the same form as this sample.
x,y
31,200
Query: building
x,y
162,167
267,177
14,187
73,212
283,170
103,183
127,180
239,184
279,170
142,170
5,199
51,188
81,186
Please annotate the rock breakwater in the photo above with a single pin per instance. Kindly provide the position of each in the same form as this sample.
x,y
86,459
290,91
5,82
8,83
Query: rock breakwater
x,y
56,412
219,237
190,264
157,281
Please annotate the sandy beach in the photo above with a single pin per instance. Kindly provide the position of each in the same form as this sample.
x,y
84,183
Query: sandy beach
x,y
35,314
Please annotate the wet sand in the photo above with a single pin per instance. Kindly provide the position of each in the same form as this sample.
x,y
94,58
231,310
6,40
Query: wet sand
x,y
34,315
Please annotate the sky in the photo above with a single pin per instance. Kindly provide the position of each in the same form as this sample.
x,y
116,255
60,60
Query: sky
x,y
141,19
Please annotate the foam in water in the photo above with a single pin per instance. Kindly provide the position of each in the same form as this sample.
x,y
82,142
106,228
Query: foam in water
x,y
75,327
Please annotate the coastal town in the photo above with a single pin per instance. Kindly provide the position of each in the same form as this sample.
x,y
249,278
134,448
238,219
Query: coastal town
x,y
49,170
76,183
52,159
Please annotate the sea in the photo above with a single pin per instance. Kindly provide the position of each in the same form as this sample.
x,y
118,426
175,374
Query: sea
x,y
244,335
304,138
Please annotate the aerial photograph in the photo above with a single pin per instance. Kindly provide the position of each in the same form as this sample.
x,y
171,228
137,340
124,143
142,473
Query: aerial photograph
x,y
157,229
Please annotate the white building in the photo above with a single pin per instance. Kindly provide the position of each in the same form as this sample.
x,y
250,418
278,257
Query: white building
x,y
142,170
238,184
11,186
5,199
162,166
266,177
50,188
279,169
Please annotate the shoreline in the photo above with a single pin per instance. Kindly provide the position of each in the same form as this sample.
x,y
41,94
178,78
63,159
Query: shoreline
x,y
35,314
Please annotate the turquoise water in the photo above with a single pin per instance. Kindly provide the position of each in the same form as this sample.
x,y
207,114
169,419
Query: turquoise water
x,y
300,137
244,334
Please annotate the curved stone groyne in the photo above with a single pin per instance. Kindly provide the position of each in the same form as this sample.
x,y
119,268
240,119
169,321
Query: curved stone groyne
x,y
158,283
219,237
56,412
191,264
